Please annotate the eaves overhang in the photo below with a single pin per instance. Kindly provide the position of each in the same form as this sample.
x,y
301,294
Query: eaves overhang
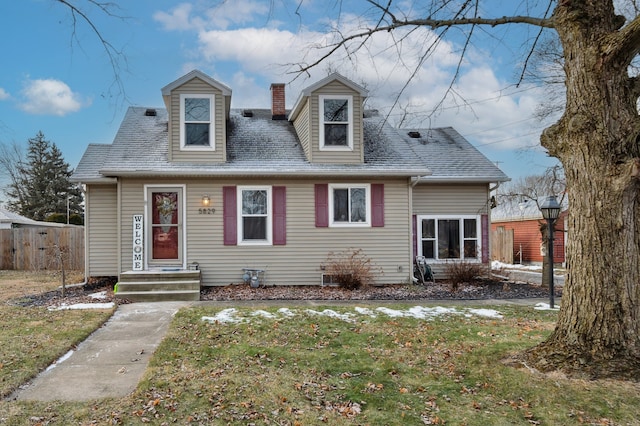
x,y
329,172
98,180
461,179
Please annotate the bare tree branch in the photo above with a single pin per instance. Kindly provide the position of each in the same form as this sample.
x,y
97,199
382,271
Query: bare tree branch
x,y
116,56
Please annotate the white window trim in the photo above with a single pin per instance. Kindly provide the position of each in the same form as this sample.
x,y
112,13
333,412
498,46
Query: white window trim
x,y
349,147
364,224
269,224
461,218
212,120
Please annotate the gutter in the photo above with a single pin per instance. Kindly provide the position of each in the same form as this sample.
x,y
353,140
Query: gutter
x,y
259,173
463,179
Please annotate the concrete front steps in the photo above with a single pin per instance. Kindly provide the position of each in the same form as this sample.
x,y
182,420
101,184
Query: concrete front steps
x,y
159,285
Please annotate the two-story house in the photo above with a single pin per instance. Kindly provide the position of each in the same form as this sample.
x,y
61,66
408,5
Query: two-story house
x,y
200,185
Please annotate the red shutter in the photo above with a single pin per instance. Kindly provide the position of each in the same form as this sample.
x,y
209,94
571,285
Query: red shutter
x,y
229,213
322,205
414,234
484,224
279,215
377,204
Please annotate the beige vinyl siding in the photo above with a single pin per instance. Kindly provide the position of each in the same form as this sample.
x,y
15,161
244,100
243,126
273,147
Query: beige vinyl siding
x,y
340,157
296,263
197,87
450,199
101,225
132,202
302,126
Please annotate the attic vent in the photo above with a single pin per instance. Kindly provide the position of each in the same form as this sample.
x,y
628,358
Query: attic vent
x,y
414,135
150,112
247,113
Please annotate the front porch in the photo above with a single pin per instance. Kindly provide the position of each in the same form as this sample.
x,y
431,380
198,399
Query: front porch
x,y
159,285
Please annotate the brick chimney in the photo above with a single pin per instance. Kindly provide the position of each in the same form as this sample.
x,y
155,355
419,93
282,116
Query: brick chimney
x,y
278,111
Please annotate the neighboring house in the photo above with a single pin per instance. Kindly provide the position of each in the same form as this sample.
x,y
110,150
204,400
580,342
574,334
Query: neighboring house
x,y
10,220
278,190
523,216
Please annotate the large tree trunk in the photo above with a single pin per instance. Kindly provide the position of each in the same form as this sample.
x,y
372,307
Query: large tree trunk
x,y
598,329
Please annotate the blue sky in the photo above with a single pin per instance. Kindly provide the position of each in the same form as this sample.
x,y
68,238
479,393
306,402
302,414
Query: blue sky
x,y
62,83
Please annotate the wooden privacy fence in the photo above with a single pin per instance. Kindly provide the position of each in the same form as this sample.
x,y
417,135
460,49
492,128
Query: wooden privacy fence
x,y
35,249
502,245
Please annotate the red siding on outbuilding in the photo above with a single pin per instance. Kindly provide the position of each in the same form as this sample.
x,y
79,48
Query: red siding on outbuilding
x,y
526,234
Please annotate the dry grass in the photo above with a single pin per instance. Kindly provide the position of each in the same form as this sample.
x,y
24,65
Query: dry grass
x,y
16,284
33,337
307,369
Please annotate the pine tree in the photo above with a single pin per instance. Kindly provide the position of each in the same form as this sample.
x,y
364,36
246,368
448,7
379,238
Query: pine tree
x,y
43,186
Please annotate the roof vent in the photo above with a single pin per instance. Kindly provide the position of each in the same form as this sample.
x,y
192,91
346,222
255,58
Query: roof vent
x,y
414,135
150,112
247,113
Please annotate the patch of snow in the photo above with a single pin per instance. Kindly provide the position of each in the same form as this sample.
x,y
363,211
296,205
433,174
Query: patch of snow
x,y
489,313
59,360
99,295
545,307
286,312
418,312
263,313
499,265
65,307
232,315
224,316
332,314
364,311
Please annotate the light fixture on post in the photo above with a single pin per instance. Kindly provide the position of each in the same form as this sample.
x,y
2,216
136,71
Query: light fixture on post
x,y
550,211
206,201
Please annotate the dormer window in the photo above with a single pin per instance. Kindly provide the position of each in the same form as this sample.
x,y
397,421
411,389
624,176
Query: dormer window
x,y
196,122
336,122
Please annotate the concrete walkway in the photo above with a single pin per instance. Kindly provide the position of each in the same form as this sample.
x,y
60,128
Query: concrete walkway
x,y
112,360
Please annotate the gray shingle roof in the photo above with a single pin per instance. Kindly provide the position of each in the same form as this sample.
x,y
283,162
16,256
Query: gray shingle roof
x,y
260,146
450,157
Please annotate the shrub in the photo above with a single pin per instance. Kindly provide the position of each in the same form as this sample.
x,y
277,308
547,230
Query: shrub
x,y
351,269
462,272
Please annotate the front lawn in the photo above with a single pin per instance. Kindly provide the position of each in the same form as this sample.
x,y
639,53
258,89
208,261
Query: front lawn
x,y
338,365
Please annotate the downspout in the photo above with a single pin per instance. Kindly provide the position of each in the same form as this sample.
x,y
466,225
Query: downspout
x,y
412,185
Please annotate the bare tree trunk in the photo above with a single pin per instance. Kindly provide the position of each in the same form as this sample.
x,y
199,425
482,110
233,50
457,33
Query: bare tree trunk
x,y
598,329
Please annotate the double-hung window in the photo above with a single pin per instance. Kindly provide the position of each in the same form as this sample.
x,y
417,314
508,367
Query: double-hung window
x,y
336,122
254,214
197,122
443,238
349,205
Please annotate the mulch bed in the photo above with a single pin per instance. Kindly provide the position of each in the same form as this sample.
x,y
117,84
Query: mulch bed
x,y
440,291
480,290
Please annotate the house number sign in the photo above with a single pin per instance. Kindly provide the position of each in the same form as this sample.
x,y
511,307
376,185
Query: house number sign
x,y
208,210
138,240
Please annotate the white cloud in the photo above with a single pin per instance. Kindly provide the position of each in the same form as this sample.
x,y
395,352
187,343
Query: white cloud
x,y
184,18
3,94
49,97
259,54
178,19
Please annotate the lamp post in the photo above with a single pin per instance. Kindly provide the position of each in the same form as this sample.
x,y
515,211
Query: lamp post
x,y
550,211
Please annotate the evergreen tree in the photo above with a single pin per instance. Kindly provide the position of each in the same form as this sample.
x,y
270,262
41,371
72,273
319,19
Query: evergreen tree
x,y
42,187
